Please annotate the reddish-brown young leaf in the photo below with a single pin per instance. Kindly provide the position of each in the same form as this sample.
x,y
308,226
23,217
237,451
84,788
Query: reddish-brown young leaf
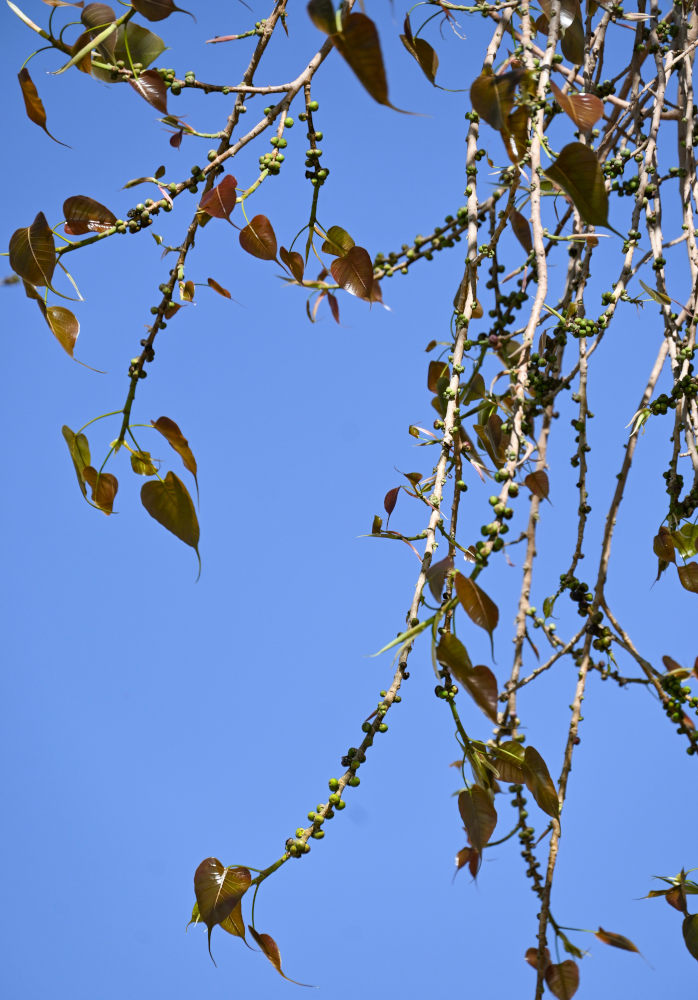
x,y
532,957
509,761
421,50
479,681
169,503
538,483
563,979
173,435
151,86
688,575
480,608
176,139
293,261
493,97
478,814
270,948
218,890
334,306
539,782
259,238
104,487
85,64
85,215
212,283
63,325
354,272
390,500
220,200
578,172
436,576
663,545
465,857
436,370
33,252
522,229
33,104
615,940
675,897
97,15
79,452
359,45
690,933
516,133
584,109
157,10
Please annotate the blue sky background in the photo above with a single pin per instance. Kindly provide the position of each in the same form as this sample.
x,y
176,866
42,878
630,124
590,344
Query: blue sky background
x,y
150,721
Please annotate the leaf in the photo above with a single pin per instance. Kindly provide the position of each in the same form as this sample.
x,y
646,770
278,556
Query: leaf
x,y
104,488
390,500
688,576
479,682
97,15
480,608
578,172
615,940
572,41
63,325
157,10
85,215
234,923
220,200
470,857
493,97
663,545
334,306
151,86
539,782
690,933
478,814
169,503
422,52
686,540
171,432
436,371
510,761
323,15
538,484
142,463
79,452
143,45
437,573
563,979
259,239
516,134
359,46
493,439
532,957
187,290
33,252
584,109
659,297
270,948
293,261
218,890
338,241
354,272
33,104
522,229
219,288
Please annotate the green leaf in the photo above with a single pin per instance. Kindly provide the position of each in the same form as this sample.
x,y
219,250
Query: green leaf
x,y
33,104
478,814
578,172
563,979
509,761
480,608
220,200
690,933
218,890
104,488
258,238
539,782
354,272
493,97
659,297
338,242
615,940
686,540
169,503
359,45
173,435
79,452
142,463
85,215
143,45
33,252
151,86
270,948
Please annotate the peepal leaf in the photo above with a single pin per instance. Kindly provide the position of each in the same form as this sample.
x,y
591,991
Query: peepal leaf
x,y
563,979
259,239
157,10
584,109
104,487
690,933
354,272
538,484
218,890
33,104
539,782
270,948
436,576
33,252
220,200
293,261
142,463
169,503
85,215
212,283
338,242
171,432
390,500
478,814
323,15
522,230
63,325
79,452
480,608
659,297
151,86
359,45
578,172
422,51
688,576
479,682
615,940
493,97
143,46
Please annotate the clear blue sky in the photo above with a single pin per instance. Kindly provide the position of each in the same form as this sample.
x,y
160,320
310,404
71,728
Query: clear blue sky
x,y
150,721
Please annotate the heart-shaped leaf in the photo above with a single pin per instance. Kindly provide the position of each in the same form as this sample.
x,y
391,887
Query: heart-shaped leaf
x,y
218,890
33,104
480,608
63,325
33,252
688,576
151,86
220,200
168,501
338,242
539,782
584,109
690,933
563,979
538,483
85,215
478,814
522,229
578,172
79,452
104,488
259,239
421,50
354,272
493,97
293,261
157,10
171,432
142,464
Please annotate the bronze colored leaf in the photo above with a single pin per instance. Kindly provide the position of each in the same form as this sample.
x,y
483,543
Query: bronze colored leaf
x,y
33,252
293,261
323,15
334,306
479,682
85,215
219,288
104,487
151,86
516,134
259,238
218,890
354,271
422,51
688,575
33,104
470,857
478,814
220,200
359,45
142,463
510,761
572,41
97,15
338,242
532,957
578,172
168,501
187,290
584,109
563,979
539,782
437,370
63,325
157,10
85,64
437,573
234,923
663,545
270,948
480,608
390,500
171,432
538,483
522,229
675,897
690,933
615,940
80,453
493,439
493,97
